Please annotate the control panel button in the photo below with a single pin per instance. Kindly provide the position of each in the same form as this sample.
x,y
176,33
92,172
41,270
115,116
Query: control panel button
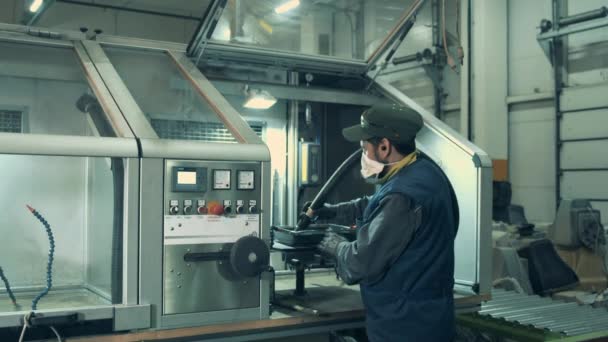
x,y
240,207
201,207
227,207
216,210
173,207
187,207
253,207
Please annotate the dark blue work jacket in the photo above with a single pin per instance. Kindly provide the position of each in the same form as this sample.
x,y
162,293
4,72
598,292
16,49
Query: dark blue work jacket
x,y
413,301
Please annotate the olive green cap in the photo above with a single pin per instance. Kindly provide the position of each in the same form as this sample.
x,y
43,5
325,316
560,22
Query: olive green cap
x,y
386,120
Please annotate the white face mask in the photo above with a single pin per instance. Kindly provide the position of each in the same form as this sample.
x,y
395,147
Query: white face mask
x,y
371,168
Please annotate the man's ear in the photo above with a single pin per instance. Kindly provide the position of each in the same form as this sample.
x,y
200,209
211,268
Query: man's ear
x,y
384,143
385,147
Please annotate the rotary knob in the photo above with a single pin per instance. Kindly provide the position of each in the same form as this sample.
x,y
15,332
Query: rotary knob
x,y
253,209
187,210
240,209
174,210
227,210
202,210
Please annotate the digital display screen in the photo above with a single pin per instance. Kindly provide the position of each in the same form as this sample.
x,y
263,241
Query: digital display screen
x,y
186,177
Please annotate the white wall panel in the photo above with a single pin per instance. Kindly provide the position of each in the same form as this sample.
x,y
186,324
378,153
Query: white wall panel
x,y
529,69
586,124
585,154
489,77
585,184
532,158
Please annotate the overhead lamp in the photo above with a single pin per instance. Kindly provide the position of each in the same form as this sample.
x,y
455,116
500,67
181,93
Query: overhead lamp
x,y
287,6
258,99
35,6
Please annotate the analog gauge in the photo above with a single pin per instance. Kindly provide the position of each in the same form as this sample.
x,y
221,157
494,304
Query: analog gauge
x,y
246,180
221,179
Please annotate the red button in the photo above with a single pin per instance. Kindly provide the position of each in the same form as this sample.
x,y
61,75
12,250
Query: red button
x,y
216,209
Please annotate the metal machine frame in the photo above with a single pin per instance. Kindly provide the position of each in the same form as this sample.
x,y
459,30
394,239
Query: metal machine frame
x,y
129,314
473,177
144,177
201,44
154,153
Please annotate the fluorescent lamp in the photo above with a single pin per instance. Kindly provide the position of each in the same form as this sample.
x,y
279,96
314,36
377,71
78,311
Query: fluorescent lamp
x,y
288,6
35,6
259,99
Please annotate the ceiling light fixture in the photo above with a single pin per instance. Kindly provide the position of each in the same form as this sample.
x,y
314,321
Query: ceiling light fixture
x,y
258,99
35,6
288,6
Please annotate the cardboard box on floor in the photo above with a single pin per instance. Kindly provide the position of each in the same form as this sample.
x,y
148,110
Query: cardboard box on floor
x,y
589,268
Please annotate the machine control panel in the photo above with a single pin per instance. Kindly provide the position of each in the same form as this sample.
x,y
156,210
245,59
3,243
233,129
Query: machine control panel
x,y
204,206
207,207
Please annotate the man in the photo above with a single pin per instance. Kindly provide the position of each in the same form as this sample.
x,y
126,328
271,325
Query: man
x,y
403,257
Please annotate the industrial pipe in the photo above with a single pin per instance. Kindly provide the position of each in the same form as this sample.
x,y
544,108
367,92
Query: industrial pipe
x,y
584,16
406,59
319,200
89,104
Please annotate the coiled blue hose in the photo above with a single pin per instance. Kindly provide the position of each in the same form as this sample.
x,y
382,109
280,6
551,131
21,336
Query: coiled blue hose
x,y
49,266
8,287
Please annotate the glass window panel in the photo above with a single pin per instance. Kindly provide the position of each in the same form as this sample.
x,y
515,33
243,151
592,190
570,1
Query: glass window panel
x,y
86,225
44,84
173,107
177,18
348,29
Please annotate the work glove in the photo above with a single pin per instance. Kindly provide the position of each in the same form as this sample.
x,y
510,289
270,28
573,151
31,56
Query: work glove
x,y
325,212
330,243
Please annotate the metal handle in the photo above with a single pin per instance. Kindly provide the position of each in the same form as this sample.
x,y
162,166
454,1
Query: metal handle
x,y
206,256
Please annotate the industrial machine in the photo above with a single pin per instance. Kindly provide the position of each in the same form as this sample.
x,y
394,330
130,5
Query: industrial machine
x,y
149,193
152,228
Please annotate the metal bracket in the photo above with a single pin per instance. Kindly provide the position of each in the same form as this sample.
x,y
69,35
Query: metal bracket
x,y
544,39
205,28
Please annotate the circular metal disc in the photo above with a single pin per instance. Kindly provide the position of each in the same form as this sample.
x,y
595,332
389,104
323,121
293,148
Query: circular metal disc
x,y
249,256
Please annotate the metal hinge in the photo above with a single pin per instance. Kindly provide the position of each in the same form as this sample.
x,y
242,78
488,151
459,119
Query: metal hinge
x,y
36,32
